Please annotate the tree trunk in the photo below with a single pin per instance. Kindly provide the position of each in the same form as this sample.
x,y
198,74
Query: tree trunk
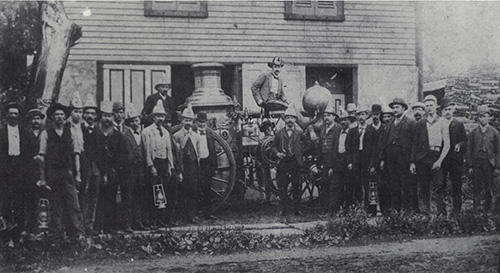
x,y
59,35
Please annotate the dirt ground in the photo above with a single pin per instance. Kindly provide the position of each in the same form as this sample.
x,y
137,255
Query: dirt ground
x,y
456,254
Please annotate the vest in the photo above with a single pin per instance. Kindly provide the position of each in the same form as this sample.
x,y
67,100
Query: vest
x,y
59,149
189,153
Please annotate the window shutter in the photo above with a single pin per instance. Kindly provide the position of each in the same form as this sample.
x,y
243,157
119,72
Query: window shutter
x,y
314,10
167,8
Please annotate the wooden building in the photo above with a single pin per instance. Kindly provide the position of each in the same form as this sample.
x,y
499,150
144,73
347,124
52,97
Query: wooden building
x,y
363,52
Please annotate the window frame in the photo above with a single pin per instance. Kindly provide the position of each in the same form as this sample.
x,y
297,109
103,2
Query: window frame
x,y
289,15
149,11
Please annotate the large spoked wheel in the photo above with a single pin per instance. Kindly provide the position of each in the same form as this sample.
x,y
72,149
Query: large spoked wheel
x,y
309,176
309,186
222,183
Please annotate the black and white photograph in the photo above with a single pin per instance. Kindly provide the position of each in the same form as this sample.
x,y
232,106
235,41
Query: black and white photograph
x,y
249,136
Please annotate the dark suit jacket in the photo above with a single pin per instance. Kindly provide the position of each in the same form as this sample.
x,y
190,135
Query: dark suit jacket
x,y
168,105
403,133
4,148
351,147
369,144
326,145
491,142
378,137
137,151
297,138
212,153
457,136
93,144
261,89
420,144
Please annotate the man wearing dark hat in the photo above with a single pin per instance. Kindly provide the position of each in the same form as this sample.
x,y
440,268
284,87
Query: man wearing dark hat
x,y
35,119
325,148
431,144
269,86
92,166
59,152
395,156
208,162
13,155
163,87
453,162
483,158
119,116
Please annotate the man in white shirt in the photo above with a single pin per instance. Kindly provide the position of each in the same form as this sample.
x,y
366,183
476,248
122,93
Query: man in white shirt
x,y
430,146
13,143
159,153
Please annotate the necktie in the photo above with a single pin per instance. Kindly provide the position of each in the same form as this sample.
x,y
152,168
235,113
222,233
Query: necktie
x,y
161,132
361,130
137,133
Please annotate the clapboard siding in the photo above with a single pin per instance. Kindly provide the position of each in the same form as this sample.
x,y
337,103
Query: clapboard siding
x,y
245,31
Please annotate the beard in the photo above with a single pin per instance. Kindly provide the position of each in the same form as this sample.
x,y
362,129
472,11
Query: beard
x,y
187,126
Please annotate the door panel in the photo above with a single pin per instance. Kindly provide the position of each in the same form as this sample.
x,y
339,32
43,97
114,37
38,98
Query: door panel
x,y
132,83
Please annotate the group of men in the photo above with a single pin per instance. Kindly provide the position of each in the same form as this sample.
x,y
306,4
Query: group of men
x,y
409,157
100,172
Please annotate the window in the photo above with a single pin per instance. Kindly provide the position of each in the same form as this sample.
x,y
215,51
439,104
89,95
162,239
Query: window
x,y
315,10
167,8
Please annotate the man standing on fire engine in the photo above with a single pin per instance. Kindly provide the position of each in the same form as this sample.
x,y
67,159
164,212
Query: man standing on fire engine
x,y
269,86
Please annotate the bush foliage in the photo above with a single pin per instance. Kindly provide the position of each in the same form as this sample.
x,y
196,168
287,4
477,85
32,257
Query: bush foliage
x,y
348,226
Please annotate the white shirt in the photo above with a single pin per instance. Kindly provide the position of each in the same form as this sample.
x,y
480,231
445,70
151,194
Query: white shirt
x,y
274,85
204,152
362,130
77,135
342,137
157,146
437,129
14,140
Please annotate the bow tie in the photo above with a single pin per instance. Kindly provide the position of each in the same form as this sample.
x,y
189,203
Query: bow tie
x,y
202,133
135,132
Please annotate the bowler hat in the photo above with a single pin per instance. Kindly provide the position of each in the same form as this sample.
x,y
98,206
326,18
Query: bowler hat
x,y
12,105
276,61
446,101
34,112
399,101
118,105
266,124
376,109
201,116
54,107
